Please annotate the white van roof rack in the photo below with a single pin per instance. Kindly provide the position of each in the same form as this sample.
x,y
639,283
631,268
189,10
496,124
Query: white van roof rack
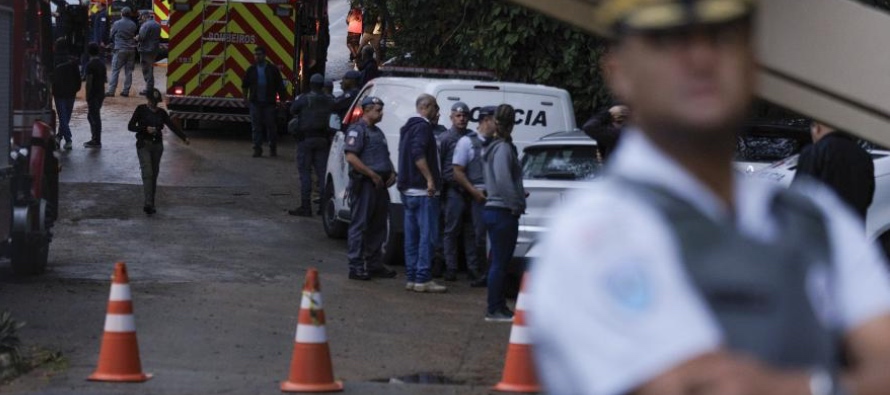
x,y
434,71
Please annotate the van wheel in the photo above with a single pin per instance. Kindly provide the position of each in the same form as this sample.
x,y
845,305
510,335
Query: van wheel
x,y
394,247
333,227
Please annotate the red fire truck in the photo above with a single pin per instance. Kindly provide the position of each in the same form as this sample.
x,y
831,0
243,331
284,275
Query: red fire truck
x,y
29,175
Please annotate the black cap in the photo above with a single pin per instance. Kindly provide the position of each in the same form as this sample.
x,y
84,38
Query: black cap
x,y
371,100
352,75
316,79
460,107
487,111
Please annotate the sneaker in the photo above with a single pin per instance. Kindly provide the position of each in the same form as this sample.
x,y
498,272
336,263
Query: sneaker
x,y
109,94
430,287
149,210
450,276
359,276
68,145
92,144
301,212
504,315
125,94
383,273
481,282
409,286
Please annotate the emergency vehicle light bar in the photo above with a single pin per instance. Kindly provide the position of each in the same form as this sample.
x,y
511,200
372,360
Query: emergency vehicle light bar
x,y
438,71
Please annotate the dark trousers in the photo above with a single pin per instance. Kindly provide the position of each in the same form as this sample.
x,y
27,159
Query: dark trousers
x,y
64,108
503,229
149,162
94,106
369,207
312,152
262,120
147,61
463,219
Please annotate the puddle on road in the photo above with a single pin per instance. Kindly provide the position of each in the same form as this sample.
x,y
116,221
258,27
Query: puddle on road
x,y
420,378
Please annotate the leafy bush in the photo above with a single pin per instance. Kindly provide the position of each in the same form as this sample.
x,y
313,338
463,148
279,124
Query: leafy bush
x,y
10,358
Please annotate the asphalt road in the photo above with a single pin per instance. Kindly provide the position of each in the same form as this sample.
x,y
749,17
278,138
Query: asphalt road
x,y
216,276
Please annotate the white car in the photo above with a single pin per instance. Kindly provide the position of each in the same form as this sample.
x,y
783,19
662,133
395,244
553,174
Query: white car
x,y
877,224
552,167
765,142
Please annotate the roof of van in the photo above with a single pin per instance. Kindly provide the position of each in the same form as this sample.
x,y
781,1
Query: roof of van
x,y
436,84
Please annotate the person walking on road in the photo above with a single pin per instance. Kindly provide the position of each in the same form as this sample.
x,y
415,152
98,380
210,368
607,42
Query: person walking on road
x,y
149,43
148,121
353,32
95,76
313,140
262,86
459,200
66,84
371,172
504,204
836,159
469,180
674,273
123,37
419,183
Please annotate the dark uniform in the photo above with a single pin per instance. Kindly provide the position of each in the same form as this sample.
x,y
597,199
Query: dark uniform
x,y
368,204
839,162
342,102
314,140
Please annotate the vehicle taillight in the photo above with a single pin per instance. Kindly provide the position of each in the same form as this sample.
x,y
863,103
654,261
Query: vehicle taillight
x,y
178,90
354,115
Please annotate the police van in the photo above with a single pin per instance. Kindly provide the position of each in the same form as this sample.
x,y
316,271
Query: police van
x,y
539,110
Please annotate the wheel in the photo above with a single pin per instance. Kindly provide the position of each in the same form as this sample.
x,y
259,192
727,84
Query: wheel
x,y
394,247
333,227
29,255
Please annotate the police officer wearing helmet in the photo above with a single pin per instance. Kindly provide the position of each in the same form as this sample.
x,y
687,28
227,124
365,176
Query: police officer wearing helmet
x,y
371,173
350,88
313,140
459,216
674,274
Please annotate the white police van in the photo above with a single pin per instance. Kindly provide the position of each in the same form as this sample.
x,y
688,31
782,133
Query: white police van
x,y
539,111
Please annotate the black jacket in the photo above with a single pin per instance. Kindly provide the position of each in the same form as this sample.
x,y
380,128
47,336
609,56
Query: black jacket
x,y
369,71
66,79
839,162
417,141
274,84
144,117
314,112
600,128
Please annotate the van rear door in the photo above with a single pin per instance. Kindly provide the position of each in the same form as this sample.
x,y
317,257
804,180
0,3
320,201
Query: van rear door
x,y
539,110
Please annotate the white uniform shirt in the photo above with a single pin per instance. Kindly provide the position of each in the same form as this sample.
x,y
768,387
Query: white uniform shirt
x,y
611,307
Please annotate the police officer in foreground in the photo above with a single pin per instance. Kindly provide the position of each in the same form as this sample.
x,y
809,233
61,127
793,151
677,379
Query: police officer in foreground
x,y
458,200
674,274
350,87
313,140
371,173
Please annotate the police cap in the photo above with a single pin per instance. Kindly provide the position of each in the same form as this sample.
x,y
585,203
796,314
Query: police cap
x,y
372,100
352,75
328,83
126,11
487,111
612,17
316,79
460,107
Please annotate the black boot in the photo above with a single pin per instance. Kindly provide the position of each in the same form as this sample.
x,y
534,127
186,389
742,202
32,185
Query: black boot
x,y
303,211
273,151
257,152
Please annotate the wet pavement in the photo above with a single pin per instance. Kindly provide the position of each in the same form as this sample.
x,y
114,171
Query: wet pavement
x,y
216,277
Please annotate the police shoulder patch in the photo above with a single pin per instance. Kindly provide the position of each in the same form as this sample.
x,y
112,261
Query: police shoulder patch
x,y
629,287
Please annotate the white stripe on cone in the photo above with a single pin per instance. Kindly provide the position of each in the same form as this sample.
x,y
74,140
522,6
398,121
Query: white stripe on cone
x,y
311,334
311,300
120,293
120,323
519,335
520,301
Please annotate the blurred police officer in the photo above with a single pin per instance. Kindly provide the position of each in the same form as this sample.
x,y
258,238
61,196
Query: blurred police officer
x,y
313,140
149,39
458,201
674,274
350,87
371,173
123,37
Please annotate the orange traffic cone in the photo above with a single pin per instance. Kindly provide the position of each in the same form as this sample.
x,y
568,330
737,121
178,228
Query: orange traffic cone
x,y
310,366
119,354
519,370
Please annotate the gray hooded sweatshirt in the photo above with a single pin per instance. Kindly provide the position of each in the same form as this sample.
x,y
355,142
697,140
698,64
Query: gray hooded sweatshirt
x,y
503,176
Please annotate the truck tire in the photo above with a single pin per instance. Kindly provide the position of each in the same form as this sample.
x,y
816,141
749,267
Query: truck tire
x,y
394,246
29,254
333,227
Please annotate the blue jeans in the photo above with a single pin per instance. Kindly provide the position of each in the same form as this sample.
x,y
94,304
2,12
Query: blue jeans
x,y
312,152
421,231
64,107
503,229
262,119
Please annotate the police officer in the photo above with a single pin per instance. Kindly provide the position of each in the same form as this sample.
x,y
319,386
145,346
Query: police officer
x,y
675,275
313,140
350,87
458,202
371,173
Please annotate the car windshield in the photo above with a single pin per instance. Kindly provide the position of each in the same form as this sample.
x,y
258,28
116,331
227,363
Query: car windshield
x,y
561,162
766,148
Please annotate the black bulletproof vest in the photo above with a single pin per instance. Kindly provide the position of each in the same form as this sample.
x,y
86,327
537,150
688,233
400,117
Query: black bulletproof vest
x,y
759,292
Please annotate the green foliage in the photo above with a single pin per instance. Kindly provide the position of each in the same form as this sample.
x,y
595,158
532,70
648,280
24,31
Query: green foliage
x,y
518,44
9,345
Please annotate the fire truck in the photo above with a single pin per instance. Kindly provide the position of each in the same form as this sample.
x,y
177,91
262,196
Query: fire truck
x,y
29,176
212,44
